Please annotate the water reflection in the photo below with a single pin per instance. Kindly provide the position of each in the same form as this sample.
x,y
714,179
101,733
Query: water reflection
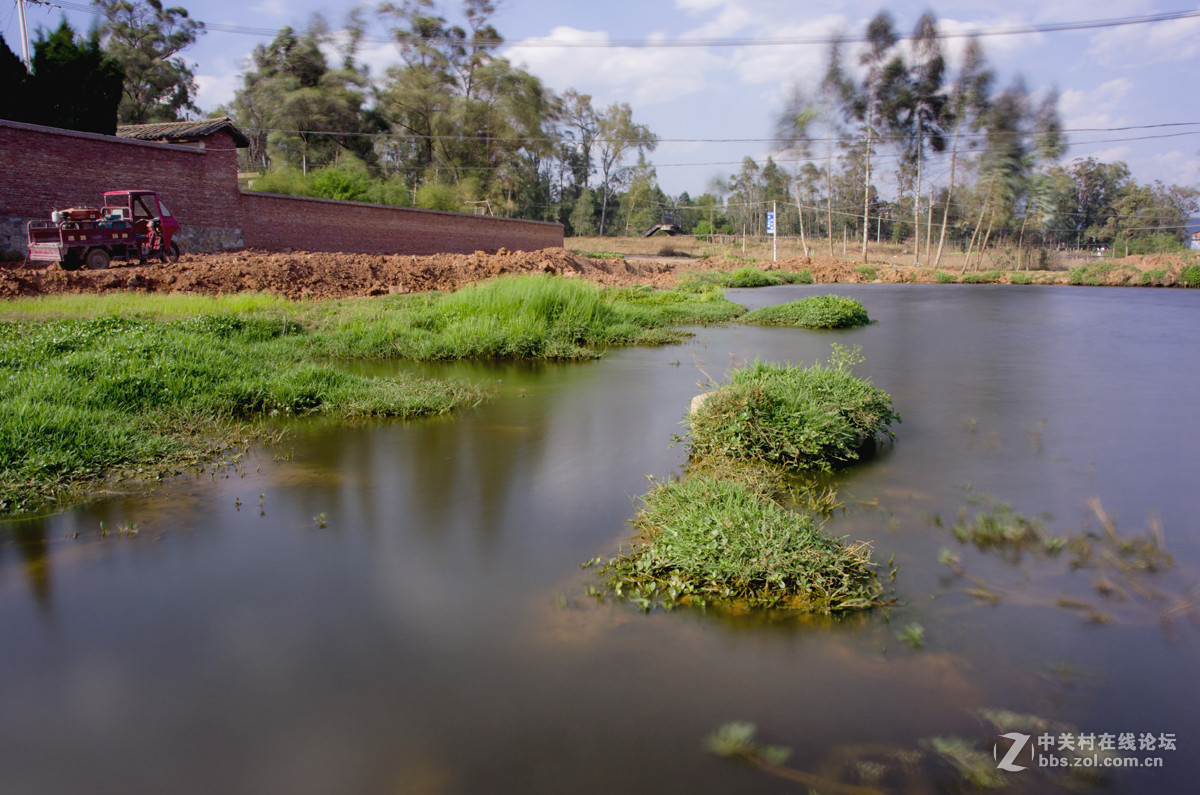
x,y
434,633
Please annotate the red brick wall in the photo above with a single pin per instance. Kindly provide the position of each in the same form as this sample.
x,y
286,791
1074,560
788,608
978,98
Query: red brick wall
x,y
273,222
44,169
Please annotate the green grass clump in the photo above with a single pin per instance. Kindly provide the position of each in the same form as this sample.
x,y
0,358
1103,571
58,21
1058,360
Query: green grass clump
x,y
1154,277
981,277
867,272
818,311
1020,277
699,281
513,317
80,399
713,541
805,418
1190,276
603,255
944,277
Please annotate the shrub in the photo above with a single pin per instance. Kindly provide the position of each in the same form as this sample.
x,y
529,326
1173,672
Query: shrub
x,y
1020,277
1154,277
818,311
867,272
806,418
434,196
981,277
943,277
1190,276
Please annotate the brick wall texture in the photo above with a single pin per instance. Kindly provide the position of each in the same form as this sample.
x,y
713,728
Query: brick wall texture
x,y
44,169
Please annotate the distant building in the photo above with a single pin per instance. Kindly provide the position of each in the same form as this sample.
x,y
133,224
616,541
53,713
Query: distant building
x,y
1196,241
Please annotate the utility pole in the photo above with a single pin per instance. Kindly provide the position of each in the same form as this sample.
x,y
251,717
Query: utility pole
x,y
24,36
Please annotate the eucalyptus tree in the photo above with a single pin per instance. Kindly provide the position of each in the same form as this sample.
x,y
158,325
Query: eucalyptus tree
x,y
618,136
922,106
145,39
295,108
793,135
872,103
967,107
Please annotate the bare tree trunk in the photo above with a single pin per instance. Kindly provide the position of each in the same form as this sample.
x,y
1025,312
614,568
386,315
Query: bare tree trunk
x,y
800,211
1021,240
987,237
829,199
975,234
867,177
949,192
917,197
929,226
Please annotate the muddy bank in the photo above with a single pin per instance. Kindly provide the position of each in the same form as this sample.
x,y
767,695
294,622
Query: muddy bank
x,y
314,275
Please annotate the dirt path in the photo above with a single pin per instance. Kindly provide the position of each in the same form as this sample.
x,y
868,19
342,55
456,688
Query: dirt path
x,y
311,275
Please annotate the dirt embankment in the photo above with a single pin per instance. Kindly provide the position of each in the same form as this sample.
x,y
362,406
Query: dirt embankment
x,y
323,275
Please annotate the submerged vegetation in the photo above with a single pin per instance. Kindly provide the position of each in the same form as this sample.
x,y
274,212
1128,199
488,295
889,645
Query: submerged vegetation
x,y
144,385
818,311
723,535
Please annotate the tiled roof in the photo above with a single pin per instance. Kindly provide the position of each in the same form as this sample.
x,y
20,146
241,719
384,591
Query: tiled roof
x,y
183,131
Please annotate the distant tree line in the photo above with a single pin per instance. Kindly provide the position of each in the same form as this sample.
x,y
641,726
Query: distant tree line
x,y
456,126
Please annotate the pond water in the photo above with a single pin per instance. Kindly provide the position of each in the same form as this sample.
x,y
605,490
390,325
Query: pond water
x,y
398,607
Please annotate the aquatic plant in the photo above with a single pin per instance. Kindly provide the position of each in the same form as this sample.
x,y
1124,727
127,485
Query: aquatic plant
x,y
818,311
802,417
706,540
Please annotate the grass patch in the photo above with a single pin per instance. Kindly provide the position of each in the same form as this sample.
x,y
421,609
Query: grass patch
x,y
867,272
706,540
800,417
602,255
818,311
1190,276
118,392
698,281
1020,277
943,277
981,277
513,317
1154,277
83,399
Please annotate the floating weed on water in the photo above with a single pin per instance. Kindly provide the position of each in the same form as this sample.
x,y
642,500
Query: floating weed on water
x,y
913,634
319,520
972,765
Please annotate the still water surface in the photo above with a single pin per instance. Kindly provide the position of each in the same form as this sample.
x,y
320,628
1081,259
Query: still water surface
x,y
434,635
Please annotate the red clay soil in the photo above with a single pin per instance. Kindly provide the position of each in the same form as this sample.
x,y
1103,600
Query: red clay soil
x,y
309,275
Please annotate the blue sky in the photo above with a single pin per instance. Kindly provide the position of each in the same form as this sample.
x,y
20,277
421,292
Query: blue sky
x,y
1129,76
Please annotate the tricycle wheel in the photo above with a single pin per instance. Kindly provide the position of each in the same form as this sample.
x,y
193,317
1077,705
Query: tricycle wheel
x,y
97,259
72,261
171,255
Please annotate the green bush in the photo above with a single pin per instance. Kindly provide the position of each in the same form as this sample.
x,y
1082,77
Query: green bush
x,y
818,311
806,418
982,277
435,196
943,277
1020,277
1154,277
1190,276
867,272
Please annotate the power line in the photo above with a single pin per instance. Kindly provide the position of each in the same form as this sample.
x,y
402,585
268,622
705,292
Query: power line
x,y
1012,30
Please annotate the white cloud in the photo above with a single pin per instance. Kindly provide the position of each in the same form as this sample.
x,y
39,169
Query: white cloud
x,y
1097,108
1139,45
275,8
218,86
641,76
